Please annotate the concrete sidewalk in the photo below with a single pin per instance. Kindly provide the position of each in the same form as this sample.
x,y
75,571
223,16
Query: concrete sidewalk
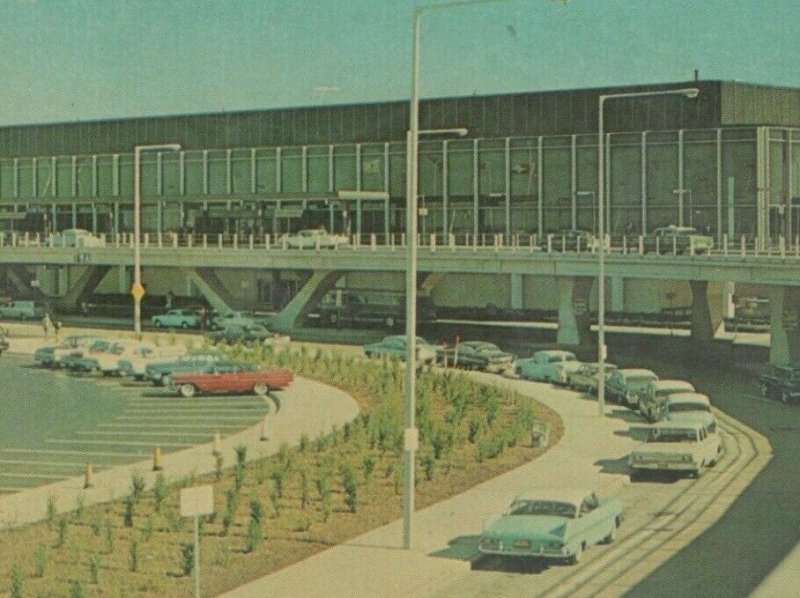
x,y
306,407
375,565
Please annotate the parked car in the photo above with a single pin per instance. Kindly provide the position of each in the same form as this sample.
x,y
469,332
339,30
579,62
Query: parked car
x,y
313,238
22,310
478,355
678,240
230,377
177,318
365,307
106,362
52,355
552,524
82,359
781,382
654,395
570,240
689,406
551,365
394,347
158,372
240,333
624,385
138,358
683,447
585,377
77,237
238,318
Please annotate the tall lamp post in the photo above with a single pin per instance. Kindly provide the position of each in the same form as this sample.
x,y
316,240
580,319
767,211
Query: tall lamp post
x,y
137,290
411,434
689,92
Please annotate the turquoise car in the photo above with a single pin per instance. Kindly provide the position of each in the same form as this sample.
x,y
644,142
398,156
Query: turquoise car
x,y
552,524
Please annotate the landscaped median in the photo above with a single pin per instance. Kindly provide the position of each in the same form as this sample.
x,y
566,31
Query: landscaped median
x,y
274,511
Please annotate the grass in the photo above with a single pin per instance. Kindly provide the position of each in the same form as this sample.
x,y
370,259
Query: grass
x,y
271,512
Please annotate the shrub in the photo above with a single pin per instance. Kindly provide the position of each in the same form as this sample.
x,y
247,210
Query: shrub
x,y
127,517
160,491
63,526
94,568
17,581
137,486
187,558
133,555
350,484
238,476
241,454
369,466
219,463
303,524
255,536
96,525
52,512
76,590
148,527
304,490
40,559
80,506
275,499
256,510
475,430
304,442
231,504
429,465
108,536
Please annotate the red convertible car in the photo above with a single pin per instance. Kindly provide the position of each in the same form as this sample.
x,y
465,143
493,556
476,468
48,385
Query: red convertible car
x,y
229,378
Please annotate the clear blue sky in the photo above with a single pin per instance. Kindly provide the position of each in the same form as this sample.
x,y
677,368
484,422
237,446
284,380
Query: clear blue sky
x,y
68,60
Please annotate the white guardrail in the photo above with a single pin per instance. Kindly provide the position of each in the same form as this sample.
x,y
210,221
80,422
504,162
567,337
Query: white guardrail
x,y
545,244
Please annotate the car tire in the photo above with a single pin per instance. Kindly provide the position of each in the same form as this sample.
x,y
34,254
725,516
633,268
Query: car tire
x,y
261,389
612,535
162,380
578,556
763,389
157,323
184,325
187,391
390,322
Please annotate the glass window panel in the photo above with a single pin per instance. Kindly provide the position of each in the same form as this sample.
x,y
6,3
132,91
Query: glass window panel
x,y
241,171
6,179
105,176
291,170
171,173
265,171
397,170
344,167
84,180
459,169
217,172
193,171
25,177
45,178
372,167
431,168
318,176
662,177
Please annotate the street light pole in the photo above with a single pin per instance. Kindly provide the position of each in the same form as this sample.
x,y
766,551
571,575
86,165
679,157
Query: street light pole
x,y
689,92
136,289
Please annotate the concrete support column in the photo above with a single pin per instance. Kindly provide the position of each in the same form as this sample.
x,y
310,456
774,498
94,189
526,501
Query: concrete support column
x,y
517,296
123,281
784,346
307,298
617,294
573,309
728,303
63,280
706,316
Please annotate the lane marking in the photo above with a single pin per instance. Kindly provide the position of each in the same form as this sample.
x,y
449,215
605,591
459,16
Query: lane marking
x,y
161,426
45,463
241,418
28,476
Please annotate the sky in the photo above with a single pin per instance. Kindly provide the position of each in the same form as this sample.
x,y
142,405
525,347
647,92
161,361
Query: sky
x,y
80,60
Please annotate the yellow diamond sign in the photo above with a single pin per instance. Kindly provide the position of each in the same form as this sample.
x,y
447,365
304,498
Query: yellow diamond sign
x,y
137,290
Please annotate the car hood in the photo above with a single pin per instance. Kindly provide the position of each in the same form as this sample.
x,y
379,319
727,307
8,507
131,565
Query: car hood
x,y
542,526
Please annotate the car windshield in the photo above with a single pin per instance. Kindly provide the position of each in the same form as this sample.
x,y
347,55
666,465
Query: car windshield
x,y
639,380
671,435
542,507
689,407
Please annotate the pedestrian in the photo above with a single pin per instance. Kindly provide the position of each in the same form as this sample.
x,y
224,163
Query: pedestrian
x,y
56,328
203,317
168,304
47,324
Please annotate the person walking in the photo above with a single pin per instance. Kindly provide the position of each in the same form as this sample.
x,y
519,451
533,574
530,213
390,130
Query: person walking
x,y
47,324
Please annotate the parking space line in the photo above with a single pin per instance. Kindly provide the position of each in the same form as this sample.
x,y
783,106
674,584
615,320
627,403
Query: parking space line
x,y
43,463
162,426
241,418
111,442
43,476
64,452
143,433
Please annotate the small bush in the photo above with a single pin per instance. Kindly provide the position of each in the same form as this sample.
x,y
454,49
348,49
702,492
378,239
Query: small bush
x,y
187,558
137,486
241,454
94,568
133,555
40,560
127,517
303,524
63,527
369,466
304,442
96,525
350,483
52,512
76,590
108,536
17,581
429,466
148,527
255,536
256,510
219,463
304,490
80,507
238,476
160,492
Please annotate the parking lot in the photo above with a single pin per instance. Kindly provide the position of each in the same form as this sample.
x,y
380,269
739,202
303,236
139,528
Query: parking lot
x,y
56,422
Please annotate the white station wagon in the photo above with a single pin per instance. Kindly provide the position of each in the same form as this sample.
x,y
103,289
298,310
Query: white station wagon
x,y
547,366
683,447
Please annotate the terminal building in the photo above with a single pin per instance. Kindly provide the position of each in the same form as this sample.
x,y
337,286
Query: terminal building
x,y
726,162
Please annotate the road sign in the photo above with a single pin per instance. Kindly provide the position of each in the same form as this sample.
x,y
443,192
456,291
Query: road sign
x,y
198,500
137,290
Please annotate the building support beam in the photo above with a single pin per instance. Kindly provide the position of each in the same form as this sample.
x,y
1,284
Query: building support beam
x,y
706,315
573,310
81,283
307,298
211,287
784,347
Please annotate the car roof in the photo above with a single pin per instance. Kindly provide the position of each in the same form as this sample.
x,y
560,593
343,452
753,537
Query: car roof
x,y
688,397
659,384
679,425
569,495
554,352
636,372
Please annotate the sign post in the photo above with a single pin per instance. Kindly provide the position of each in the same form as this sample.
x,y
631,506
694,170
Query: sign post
x,y
195,502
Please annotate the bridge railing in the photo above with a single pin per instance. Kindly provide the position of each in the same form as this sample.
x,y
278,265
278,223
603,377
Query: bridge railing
x,y
740,245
